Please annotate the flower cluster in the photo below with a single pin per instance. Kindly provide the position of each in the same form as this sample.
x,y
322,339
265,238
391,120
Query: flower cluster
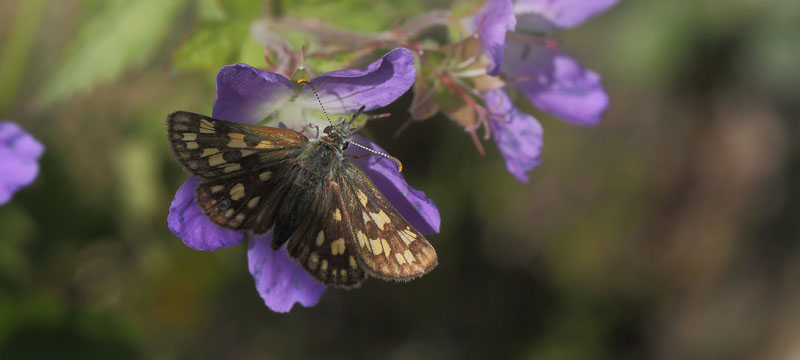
x,y
510,47
19,155
249,95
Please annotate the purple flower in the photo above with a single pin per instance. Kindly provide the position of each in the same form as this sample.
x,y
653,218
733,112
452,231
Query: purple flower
x,y
19,154
552,80
249,95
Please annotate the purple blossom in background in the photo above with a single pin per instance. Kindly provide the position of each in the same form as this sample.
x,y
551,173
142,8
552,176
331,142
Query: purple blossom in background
x,y
19,155
552,80
249,95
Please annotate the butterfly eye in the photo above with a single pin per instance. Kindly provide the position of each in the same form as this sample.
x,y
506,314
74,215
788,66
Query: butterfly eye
x,y
345,146
328,129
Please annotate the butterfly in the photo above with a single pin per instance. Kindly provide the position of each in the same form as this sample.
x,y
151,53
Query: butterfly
x,y
327,211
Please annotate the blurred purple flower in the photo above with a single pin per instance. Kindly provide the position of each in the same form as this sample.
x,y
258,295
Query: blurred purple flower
x,y
249,95
552,80
19,154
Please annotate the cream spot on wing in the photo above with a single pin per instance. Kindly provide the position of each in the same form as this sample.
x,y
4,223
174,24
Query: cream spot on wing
x,y
253,202
209,152
376,246
237,191
410,233
231,168
380,219
362,239
216,160
337,215
313,261
324,265
189,136
236,136
400,258
206,127
406,239
365,217
337,247
343,273
409,256
237,144
264,176
362,197
387,250
265,144
353,263
321,238
239,218
217,188
247,152
229,213
191,145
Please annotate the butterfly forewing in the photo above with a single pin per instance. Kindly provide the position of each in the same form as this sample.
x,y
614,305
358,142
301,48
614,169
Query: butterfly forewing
x,y
212,149
322,241
387,246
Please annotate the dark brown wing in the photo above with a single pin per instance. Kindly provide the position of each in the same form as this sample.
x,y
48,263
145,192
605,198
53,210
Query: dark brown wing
x,y
322,242
210,149
385,244
244,168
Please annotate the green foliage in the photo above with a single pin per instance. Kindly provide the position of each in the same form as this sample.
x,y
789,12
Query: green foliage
x,y
211,46
362,15
123,35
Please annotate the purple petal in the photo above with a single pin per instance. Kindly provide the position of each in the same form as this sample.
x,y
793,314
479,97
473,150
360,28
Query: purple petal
x,y
190,223
416,208
280,280
556,83
547,15
377,85
19,154
248,95
517,134
494,19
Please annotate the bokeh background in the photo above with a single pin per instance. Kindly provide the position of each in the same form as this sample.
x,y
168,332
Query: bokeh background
x,y
669,231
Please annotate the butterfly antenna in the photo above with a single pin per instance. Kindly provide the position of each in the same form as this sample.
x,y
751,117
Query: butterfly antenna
x,y
376,152
357,113
316,94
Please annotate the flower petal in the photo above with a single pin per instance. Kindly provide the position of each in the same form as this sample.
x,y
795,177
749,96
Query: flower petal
x,y
416,208
280,280
188,221
19,154
517,134
248,95
556,83
377,85
494,19
547,15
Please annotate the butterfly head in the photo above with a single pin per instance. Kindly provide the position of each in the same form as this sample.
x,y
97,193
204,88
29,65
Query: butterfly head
x,y
339,133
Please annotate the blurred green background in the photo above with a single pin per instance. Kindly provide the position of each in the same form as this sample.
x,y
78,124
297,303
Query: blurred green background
x,y
669,231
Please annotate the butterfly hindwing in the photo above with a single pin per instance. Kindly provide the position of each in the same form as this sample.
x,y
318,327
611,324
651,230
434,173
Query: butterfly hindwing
x,y
244,202
322,241
385,244
211,149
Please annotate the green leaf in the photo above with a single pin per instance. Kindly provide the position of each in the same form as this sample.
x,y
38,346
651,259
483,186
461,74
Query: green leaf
x,y
124,35
212,46
242,9
363,15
